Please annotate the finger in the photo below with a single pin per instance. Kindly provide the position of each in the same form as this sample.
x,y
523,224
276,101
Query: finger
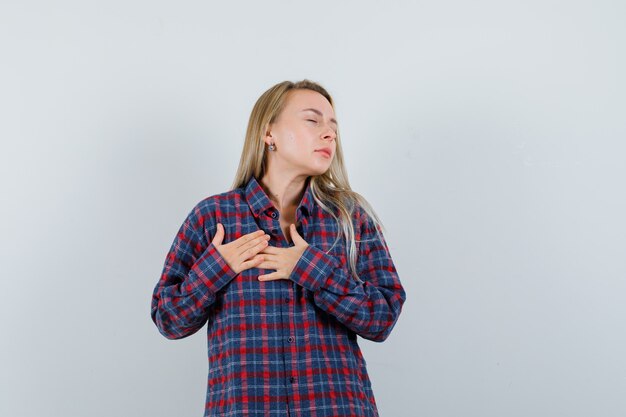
x,y
272,250
219,235
295,236
267,264
254,242
270,277
250,252
252,263
269,256
248,237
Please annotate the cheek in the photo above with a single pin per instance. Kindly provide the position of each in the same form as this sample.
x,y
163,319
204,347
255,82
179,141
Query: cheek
x,y
291,143
295,144
298,147
291,140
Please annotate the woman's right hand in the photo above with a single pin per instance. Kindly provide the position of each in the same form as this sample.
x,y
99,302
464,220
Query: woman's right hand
x,y
241,254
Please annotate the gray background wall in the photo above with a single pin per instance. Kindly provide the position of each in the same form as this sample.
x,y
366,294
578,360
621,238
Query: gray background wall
x,y
489,136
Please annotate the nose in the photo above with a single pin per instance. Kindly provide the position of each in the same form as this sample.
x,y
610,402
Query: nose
x,y
329,134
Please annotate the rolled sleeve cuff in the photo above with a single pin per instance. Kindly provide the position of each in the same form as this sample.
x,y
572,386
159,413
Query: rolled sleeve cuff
x,y
211,271
316,269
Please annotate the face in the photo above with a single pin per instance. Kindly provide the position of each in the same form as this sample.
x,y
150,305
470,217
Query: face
x,y
304,134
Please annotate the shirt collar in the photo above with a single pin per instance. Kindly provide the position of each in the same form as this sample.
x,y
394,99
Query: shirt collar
x,y
259,202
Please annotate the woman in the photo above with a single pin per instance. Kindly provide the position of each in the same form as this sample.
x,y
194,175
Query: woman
x,y
267,267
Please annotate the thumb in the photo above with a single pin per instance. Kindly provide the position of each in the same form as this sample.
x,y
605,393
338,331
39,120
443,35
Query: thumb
x,y
219,235
295,236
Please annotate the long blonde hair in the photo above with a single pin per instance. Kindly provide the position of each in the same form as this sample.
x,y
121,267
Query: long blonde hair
x,y
331,188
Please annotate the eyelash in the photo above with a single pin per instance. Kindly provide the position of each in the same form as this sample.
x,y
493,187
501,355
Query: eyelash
x,y
311,120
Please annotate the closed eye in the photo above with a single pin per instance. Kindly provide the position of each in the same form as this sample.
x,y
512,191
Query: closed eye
x,y
315,121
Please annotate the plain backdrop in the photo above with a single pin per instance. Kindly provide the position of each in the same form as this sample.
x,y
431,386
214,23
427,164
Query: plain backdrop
x,y
488,135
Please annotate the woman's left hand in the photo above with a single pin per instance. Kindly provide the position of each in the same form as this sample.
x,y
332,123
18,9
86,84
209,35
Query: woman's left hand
x,y
283,260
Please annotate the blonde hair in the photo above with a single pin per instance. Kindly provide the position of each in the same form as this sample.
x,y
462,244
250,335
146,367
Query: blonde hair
x,y
331,188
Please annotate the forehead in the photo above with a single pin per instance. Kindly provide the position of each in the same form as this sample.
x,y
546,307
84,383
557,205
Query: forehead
x,y
298,100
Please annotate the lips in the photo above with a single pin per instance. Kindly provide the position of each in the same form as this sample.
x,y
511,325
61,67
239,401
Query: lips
x,y
326,151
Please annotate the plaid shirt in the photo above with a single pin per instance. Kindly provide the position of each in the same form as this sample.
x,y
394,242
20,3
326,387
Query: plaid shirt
x,y
281,347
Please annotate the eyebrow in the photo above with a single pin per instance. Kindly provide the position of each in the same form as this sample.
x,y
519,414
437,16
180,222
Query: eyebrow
x,y
318,113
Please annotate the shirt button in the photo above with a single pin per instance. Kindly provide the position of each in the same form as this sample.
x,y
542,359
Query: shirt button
x,y
292,380
273,214
274,231
290,339
287,300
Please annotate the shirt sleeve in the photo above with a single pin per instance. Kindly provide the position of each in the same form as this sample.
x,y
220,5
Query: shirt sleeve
x,y
193,273
369,306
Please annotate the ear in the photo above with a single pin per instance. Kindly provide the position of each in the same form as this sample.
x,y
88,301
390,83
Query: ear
x,y
268,138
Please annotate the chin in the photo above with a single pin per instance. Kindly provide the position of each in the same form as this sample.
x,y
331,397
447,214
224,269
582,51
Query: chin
x,y
319,170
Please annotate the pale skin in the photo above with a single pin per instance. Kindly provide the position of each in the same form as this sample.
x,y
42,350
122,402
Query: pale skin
x,y
305,125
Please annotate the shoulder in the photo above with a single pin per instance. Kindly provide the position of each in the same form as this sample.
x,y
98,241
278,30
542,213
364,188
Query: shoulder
x,y
362,212
367,223
356,207
219,202
204,213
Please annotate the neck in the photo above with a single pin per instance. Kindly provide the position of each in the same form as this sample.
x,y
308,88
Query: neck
x,y
284,190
